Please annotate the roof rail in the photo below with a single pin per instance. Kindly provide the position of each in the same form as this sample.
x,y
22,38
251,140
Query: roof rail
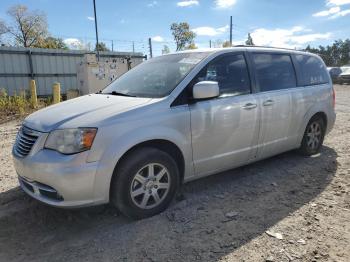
x,y
267,47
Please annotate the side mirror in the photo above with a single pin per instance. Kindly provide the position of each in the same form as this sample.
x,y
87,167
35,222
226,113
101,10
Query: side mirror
x,y
205,90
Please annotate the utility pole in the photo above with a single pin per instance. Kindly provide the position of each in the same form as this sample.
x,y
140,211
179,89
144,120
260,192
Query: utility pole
x,y
209,43
97,45
231,30
150,47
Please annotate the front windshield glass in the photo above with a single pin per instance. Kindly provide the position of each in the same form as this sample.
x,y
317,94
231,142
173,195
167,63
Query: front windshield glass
x,y
156,77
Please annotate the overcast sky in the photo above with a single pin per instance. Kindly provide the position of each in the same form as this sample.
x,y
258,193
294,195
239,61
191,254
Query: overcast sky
x,y
280,23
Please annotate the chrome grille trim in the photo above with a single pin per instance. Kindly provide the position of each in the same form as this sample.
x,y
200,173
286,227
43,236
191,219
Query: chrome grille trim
x,y
25,141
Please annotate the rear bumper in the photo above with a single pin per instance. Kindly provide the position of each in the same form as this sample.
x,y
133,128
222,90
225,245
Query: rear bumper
x,y
58,180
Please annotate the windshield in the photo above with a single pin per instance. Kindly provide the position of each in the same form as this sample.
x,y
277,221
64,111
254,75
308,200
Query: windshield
x,y
156,77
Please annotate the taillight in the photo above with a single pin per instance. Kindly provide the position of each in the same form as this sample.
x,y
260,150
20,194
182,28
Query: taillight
x,y
333,97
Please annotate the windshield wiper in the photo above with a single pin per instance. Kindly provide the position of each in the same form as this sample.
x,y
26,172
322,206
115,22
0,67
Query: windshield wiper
x,y
115,93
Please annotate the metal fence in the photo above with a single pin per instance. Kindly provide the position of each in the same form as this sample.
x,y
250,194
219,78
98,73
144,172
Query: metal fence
x,y
19,65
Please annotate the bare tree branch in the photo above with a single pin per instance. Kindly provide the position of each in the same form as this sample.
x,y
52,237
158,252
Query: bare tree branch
x,y
28,27
3,29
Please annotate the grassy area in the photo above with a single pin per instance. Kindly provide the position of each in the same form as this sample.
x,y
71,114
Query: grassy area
x,y
18,105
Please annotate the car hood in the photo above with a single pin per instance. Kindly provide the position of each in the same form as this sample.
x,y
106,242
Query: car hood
x,y
85,111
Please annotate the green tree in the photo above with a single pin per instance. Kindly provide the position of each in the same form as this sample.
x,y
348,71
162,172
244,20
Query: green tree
x,y
51,42
191,46
165,50
183,36
337,54
249,40
343,53
101,47
28,27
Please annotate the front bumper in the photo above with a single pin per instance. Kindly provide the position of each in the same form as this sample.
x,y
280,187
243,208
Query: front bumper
x,y
58,180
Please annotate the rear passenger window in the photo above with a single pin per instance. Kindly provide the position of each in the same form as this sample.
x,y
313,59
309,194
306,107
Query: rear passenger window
x,y
230,71
313,71
274,71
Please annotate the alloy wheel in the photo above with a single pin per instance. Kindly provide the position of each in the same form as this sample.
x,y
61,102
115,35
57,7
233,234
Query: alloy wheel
x,y
150,186
313,135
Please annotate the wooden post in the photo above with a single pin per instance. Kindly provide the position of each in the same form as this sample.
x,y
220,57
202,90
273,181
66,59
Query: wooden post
x,y
33,96
56,90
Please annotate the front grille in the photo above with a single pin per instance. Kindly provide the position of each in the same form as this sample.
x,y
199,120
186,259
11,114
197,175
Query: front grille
x,y
25,140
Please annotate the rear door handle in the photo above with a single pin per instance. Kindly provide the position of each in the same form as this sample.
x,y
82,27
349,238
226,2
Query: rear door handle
x,y
249,106
268,102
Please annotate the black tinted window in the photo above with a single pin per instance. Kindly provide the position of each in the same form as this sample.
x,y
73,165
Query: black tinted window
x,y
274,71
230,71
313,71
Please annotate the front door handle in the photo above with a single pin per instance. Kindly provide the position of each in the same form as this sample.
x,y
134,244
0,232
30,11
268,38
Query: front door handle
x,y
268,102
249,106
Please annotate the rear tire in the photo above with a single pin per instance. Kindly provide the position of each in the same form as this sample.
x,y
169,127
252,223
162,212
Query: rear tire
x,y
144,183
313,136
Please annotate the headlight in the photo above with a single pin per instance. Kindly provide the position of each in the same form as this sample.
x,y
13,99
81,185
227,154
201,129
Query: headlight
x,y
70,141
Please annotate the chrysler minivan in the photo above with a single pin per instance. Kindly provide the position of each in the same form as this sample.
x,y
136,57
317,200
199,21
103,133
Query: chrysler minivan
x,y
172,119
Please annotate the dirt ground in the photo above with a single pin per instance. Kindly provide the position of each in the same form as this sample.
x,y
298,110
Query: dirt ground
x,y
303,204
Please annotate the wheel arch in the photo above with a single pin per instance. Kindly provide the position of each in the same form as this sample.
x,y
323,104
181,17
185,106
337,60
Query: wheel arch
x,y
323,116
162,144
320,114
311,114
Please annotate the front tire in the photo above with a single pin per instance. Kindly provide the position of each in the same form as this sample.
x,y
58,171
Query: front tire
x,y
313,136
144,183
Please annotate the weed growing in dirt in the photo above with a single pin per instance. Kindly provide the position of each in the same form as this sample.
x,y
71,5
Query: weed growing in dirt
x,y
18,106
14,105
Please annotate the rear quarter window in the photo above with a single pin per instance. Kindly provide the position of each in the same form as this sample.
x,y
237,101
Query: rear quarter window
x,y
312,70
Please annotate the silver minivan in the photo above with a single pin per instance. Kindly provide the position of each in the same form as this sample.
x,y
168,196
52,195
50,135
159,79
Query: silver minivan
x,y
172,119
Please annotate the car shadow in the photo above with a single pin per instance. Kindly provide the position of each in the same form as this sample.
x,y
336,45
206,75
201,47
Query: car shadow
x,y
215,216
